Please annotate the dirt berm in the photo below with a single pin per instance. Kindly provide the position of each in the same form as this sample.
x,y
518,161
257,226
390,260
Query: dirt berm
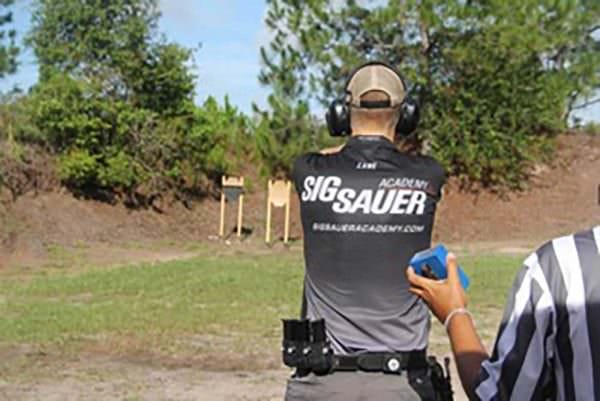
x,y
559,198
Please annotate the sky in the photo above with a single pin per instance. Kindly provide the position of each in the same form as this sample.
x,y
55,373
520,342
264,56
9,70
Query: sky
x,y
229,33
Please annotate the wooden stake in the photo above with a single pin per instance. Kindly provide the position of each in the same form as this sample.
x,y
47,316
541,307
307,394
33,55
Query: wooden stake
x,y
268,228
287,215
222,222
240,215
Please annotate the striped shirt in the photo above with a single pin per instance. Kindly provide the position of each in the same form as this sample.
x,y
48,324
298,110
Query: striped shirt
x,y
548,344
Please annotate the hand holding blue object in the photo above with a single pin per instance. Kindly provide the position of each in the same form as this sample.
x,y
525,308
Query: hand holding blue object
x,y
431,263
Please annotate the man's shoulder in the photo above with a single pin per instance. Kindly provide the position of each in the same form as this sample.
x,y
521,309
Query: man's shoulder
x,y
429,160
567,256
306,163
421,159
434,164
582,241
306,159
428,164
314,159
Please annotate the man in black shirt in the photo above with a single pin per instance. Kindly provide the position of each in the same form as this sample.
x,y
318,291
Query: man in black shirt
x,y
366,208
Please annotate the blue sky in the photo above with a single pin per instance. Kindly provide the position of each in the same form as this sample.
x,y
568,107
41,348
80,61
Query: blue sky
x,y
230,33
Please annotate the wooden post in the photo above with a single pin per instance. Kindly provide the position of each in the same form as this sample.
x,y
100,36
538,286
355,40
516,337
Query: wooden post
x,y
286,232
240,215
222,221
268,228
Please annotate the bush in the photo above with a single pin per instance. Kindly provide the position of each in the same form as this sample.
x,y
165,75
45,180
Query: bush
x,y
219,140
16,123
92,134
25,168
78,168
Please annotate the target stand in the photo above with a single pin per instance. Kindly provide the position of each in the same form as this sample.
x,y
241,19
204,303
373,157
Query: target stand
x,y
232,191
278,196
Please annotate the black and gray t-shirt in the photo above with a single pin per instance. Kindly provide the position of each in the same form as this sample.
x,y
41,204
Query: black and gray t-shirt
x,y
365,211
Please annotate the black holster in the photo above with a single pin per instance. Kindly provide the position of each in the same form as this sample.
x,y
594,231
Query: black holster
x,y
432,383
305,347
440,378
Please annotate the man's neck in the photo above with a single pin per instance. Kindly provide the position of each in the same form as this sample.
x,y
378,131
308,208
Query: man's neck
x,y
389,136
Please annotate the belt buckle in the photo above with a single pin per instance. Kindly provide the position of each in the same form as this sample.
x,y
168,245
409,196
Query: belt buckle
x,y
392,365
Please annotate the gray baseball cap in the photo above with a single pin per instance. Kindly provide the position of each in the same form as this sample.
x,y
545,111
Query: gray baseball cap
x,y
375,77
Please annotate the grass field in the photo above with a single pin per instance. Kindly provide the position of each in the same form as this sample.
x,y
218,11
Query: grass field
x,y
192,307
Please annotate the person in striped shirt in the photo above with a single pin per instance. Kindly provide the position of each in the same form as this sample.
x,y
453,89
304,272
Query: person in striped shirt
x,y
548,344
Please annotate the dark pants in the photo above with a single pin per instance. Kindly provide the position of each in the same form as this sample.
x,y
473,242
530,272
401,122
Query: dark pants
x,y
360,386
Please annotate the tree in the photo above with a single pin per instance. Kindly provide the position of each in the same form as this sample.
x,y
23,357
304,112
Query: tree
x,y
495,80
8,49
287,129
284,132
113,94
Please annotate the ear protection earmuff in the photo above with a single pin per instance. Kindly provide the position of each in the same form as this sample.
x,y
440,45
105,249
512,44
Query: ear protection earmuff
x,y
338,113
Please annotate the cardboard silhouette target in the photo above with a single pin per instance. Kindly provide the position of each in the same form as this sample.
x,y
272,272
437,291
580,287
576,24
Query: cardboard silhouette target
x,y
232,191
278,196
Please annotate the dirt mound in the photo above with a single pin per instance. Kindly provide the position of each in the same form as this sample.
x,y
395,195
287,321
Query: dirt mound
x,y
560,199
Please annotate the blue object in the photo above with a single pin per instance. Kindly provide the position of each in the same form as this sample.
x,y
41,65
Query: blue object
x,y
431,263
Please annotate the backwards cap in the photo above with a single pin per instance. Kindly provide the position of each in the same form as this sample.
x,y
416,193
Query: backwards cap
x,y
376,77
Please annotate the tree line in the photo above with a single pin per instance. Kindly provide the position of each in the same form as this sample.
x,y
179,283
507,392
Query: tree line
x,y
114,102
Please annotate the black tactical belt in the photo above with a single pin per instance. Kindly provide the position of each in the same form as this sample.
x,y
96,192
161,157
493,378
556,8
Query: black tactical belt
x,y
386,362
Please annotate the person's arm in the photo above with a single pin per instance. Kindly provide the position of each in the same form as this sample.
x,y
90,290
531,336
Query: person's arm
x,y
521,364
444,298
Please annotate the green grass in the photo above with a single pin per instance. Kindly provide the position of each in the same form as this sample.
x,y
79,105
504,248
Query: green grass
x,y
243,296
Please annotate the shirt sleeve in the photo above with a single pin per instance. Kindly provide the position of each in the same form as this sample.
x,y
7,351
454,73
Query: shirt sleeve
x,y
301,170
298,172
520,363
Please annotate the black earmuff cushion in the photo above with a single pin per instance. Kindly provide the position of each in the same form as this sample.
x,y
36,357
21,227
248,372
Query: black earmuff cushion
x,y
338,118
410,114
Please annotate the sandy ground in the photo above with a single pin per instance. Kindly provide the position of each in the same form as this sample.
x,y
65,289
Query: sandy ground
x,y
111,380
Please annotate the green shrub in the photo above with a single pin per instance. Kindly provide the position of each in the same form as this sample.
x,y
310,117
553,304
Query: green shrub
x,y
219,141
120,172
78,168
